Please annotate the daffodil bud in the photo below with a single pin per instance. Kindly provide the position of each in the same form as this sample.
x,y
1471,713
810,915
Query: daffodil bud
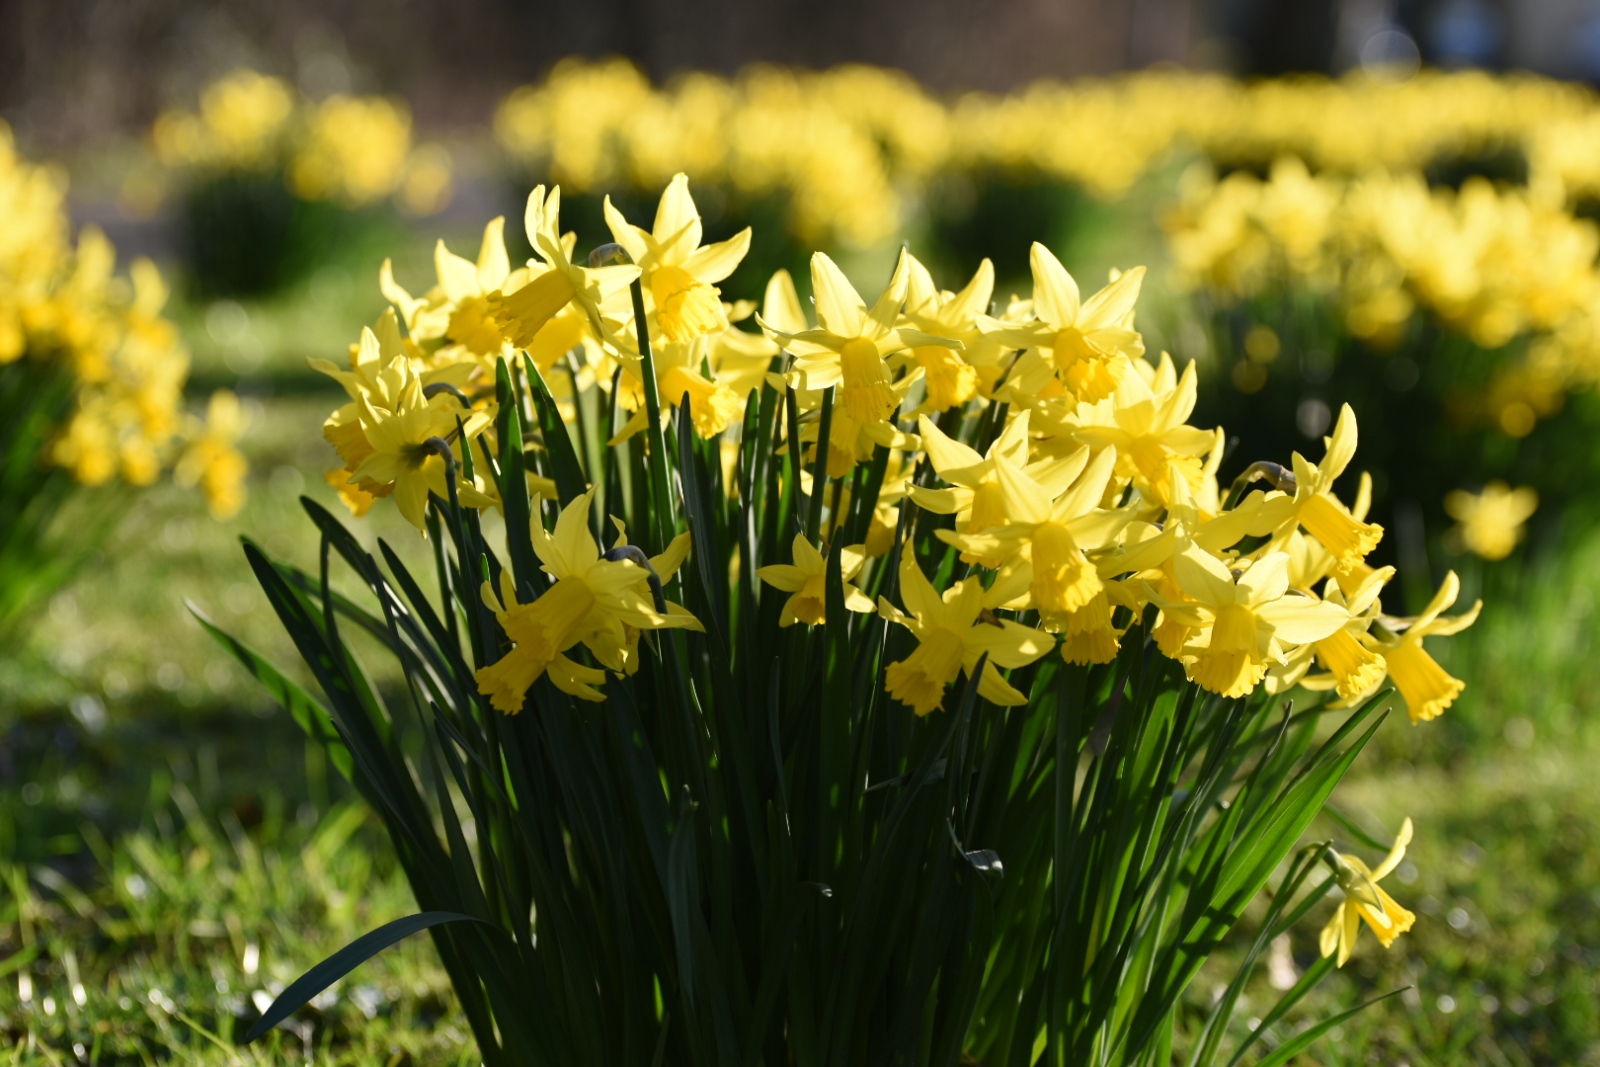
x,y
609,253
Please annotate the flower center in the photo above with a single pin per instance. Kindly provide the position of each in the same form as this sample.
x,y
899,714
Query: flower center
x,y
949,378
686,307
919,680
1342,534
473,327
1063,578
866,393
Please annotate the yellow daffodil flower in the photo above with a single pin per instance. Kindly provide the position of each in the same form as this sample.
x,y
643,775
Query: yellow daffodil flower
x,y
678,274
952,377
1427,688
1491,522
1316,508
402,458
806,579
851,442
1148,428
1050,535
992,489
1365,900
1244,622
1089,343
1352,669
848,345
678,366
522,313
593,601
952,635
212,459
466,286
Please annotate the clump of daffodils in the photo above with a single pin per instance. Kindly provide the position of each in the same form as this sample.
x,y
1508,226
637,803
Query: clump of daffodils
x,y
1492,264
92,370
845,146
1076,504
354,150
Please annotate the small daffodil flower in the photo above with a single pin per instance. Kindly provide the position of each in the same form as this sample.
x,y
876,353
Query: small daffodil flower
x,y
594,600
1245,621
1427,688
1346,538
677,272
1089,342
1491,523
1366,901
953,632
806,579
522,313
849,344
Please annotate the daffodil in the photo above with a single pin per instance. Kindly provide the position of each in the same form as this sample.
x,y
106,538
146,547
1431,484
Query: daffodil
x,y
1491,523
212,459
466,286
523,312
593,600
679,376
806,580
1352,668
952,377
405,456
848,347
851,442
1089,342
1366,901
953,632
993,489
1244,621
1147,425
1427,688
679,274
1346,538
1052,536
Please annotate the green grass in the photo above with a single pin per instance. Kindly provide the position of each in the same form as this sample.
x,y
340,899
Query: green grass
x,y
158,816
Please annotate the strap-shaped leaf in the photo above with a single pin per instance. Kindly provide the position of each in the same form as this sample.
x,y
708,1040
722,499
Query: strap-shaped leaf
x,y
697,508
514,476
1303,1040
347,959
312,716
564,465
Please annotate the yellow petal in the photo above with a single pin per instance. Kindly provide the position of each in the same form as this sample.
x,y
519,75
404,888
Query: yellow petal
x,y
457,277
840,308
1397,851
715,262
1341,446
1111,305
1055,294
493,262
677,226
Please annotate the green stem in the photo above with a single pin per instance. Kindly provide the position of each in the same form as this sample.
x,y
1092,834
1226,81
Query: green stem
x,y
819,468
666,522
